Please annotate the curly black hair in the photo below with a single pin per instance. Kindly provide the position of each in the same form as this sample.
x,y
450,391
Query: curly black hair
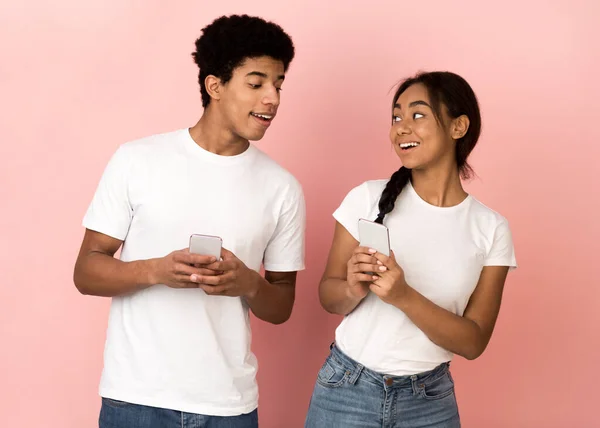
x,y
229,40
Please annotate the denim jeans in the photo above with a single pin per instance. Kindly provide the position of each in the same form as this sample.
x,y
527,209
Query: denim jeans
x,y
119,414
348,395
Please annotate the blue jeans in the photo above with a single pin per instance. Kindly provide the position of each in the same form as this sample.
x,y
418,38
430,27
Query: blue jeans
x,y
119,414
348,394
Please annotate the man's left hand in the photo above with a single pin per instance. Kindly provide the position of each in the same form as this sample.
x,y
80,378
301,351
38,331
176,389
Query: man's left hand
x,y
233,278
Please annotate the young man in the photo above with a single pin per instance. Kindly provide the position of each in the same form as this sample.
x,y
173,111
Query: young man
x,y
178,341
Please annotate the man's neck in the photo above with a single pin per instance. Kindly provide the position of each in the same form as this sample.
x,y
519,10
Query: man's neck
x,y
211,134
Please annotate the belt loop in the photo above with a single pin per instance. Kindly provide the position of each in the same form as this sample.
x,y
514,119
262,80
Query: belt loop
x,y
357,371
413,382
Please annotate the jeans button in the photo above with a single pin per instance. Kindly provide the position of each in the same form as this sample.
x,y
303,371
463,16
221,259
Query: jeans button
x,y
389,382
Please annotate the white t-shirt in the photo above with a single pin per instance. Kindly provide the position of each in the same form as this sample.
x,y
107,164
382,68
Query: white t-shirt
x,y
442,252
181,349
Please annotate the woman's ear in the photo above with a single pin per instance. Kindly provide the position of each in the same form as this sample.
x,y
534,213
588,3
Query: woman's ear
x,y
460,126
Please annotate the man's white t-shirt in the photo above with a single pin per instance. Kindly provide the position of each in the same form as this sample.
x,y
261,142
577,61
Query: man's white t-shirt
x,y
182,349
442,251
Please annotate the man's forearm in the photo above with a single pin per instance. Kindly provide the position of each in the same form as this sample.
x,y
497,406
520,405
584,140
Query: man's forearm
x,y
99,274
271,301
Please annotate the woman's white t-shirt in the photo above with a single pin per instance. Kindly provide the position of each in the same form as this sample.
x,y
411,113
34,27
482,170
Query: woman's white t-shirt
x,y
442,251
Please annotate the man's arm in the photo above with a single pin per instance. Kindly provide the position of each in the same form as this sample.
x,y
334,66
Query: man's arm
x,y
98,273
274,296
270,298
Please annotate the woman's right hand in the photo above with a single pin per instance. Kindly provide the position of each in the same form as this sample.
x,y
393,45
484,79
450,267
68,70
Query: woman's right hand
x,y
357,276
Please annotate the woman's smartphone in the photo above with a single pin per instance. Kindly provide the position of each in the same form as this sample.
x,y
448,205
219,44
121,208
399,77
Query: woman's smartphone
x,y
374,235
206,245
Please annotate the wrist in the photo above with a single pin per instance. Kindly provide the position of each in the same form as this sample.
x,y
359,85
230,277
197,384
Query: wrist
x,y
254,284
350,295
149,275
405,298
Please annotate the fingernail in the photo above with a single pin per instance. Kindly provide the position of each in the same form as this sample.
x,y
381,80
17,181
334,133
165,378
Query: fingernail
x,y
372,251
375,278
379,263
194,278
382,268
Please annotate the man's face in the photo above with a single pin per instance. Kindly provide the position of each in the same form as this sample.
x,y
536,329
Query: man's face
x,y
249,101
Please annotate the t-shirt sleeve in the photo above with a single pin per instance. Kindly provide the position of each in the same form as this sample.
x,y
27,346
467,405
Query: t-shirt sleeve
x,y
354,206
285,251
110,211
502,251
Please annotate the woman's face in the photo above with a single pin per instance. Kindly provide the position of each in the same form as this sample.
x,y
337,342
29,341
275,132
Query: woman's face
x,y
419,139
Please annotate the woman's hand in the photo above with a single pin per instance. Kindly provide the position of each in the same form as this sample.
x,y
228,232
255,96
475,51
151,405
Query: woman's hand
x,y
390,285
362,269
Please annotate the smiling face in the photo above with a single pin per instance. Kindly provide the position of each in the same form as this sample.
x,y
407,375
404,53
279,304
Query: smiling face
x,y
420,139
249,101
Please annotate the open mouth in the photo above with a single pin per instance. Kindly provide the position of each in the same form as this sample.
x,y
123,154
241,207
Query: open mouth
x,y
409,146
264,119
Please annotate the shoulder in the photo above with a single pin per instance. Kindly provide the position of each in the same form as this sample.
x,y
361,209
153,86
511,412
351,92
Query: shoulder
x,y
368,191
486,216
147,152
363,199
275,174
149,143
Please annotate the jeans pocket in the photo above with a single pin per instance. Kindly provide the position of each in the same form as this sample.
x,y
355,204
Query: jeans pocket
x,y
437,388
332,374
115,403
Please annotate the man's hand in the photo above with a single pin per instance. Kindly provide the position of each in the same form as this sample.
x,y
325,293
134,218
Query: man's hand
x,y
229,277
177,269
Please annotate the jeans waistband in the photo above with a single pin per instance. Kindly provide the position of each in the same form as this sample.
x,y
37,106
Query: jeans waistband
x,y
388,380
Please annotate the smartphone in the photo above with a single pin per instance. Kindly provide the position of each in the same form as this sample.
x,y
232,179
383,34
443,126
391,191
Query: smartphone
x,y
374,235
206,245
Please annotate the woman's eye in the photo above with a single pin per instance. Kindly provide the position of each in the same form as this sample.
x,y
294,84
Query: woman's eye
x,y
254,86
396,118
418,115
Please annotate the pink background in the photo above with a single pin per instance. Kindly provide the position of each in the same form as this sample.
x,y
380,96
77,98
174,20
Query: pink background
x,y
78,78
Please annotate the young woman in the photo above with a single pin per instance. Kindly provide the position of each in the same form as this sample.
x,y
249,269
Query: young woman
x,y
439,291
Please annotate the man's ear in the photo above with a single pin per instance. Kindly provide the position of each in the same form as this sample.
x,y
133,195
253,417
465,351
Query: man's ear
x,y
213,86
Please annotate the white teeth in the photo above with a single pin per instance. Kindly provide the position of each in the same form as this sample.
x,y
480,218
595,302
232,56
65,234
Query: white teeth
x,y
407,145
263,116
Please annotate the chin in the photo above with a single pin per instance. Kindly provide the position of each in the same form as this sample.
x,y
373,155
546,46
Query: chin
x,y
254,135
413,160
249,134
407,162
411,163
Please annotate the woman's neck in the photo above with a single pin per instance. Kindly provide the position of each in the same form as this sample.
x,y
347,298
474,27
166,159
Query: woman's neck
x,y
441,188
